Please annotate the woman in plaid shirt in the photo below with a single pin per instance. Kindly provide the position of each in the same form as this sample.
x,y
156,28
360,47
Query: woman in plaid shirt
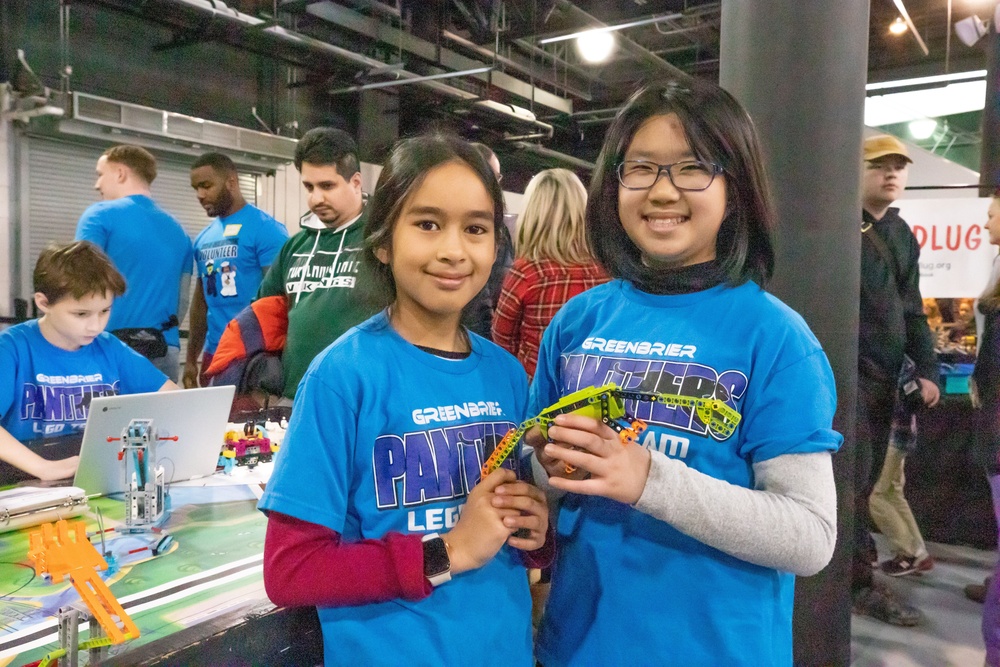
x,y
554,263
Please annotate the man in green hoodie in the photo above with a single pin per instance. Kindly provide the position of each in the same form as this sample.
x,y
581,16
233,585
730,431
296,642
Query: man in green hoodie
x,y
317,268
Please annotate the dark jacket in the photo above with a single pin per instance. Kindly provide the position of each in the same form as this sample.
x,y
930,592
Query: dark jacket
x,y
892,315
477,316
987,377
987,371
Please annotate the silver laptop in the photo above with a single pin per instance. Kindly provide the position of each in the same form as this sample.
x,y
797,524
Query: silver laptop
x,y
198,418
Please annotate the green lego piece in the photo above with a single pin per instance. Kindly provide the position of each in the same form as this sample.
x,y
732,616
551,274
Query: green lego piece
x,y
607,404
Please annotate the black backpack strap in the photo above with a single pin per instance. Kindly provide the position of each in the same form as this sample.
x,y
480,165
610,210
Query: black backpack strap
x,y
170,323
867,232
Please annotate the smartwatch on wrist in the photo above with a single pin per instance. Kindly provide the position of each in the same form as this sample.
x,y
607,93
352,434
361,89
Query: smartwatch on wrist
x,y
437,562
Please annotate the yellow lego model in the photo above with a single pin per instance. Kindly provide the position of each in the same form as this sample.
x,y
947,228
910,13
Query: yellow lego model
x,y
607,404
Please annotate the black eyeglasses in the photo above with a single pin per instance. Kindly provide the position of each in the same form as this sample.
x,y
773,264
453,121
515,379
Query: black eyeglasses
x,y
690,175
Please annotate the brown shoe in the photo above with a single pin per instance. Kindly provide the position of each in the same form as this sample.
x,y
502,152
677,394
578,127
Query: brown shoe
x,y
977,592
882,604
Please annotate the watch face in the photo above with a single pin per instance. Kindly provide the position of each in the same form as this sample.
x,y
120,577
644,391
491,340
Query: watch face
x,y
436,560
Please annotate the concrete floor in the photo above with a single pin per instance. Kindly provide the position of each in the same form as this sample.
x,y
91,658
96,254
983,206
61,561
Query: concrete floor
x,y
950,635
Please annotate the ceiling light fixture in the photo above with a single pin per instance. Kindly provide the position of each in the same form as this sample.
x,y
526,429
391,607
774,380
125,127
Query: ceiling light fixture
x,y
612,28
959,97
927,80
898,27
922,128
971,29
595,46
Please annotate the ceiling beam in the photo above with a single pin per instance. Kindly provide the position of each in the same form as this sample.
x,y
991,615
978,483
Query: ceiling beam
x,y
522,68
432,53
909,23
613,28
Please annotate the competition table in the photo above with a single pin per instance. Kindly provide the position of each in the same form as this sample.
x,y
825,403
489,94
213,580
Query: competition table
x,y
202,602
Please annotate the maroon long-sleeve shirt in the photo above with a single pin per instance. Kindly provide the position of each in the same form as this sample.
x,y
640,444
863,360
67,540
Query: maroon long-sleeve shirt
x,y
307,564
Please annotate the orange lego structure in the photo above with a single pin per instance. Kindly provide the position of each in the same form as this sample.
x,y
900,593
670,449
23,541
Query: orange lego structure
x,y
62,549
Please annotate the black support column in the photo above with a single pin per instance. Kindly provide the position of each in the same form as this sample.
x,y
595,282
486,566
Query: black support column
x,y
989,170
799,68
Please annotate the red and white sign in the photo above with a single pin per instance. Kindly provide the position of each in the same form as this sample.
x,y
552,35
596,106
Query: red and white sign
x,y
955,251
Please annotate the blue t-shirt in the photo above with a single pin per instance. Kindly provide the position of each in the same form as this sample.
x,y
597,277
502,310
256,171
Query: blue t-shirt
x,y
386,437
622,573
231,254
151,250
48,389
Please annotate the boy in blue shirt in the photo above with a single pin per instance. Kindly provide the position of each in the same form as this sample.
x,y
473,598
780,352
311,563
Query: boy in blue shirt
x,y
232,255
62,360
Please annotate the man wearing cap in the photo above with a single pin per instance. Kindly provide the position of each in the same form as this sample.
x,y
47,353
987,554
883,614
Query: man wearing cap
x,y
892,324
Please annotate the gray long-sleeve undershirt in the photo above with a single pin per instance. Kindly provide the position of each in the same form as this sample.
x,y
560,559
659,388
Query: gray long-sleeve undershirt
x,y
788,521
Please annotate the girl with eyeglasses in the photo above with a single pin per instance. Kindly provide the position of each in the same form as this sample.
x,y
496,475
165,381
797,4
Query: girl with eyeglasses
x,y
687,541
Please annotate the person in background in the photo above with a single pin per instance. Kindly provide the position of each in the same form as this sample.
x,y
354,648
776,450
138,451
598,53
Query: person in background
x,y
892,324
243,239
317,268
888,505
553,263
985,393
56,364
150,249
509,219
964,325
932,310
478,315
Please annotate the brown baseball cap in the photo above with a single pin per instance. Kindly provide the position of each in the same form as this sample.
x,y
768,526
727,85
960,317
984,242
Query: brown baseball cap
x,y
882,145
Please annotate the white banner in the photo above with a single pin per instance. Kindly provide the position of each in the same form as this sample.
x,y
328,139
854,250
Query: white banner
x,y
955,251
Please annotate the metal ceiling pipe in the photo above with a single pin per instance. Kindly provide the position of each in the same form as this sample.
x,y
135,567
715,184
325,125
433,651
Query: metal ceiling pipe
x,y
555,155
215,11
401,82
513,64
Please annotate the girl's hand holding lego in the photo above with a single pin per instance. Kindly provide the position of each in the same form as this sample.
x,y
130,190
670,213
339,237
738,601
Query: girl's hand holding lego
x,y
532,513
481,530
553,466
617,472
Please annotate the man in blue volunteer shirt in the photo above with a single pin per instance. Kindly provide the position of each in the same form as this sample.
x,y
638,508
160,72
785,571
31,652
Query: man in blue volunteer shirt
x,y
150,249
233,253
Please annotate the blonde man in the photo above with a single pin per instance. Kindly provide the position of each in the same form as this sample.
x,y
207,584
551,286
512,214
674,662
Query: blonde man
x,y
150,249
553,263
